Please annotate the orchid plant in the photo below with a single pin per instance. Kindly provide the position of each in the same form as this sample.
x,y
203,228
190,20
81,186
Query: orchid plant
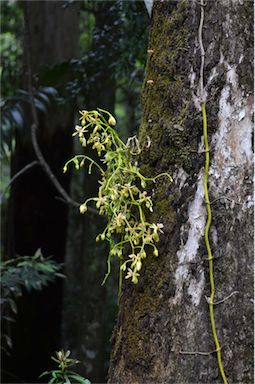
x,y
122,196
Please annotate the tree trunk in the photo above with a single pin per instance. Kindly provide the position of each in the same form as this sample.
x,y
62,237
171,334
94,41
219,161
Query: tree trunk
x,y
37,219
166,313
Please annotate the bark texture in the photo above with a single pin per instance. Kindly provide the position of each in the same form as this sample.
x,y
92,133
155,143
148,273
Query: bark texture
x,y
167,313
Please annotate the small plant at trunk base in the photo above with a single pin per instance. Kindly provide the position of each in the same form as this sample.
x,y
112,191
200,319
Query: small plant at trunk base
x,y
122,196
63,375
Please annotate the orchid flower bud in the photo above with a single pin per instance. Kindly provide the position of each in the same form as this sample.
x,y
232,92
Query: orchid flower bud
x,y
112,121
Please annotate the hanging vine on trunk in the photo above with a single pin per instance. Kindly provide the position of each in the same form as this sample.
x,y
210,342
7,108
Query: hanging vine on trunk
x,y
207,200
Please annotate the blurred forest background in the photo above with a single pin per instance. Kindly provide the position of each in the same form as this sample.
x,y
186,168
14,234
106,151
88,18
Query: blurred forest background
x,y
60,57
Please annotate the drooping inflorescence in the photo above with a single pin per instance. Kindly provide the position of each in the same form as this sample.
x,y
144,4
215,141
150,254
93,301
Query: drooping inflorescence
x,y
122,197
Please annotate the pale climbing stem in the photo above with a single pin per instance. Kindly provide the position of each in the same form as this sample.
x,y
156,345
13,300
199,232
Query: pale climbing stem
x,y
197,352
200,40
223,300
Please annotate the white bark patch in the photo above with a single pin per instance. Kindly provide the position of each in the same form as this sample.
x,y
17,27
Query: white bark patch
x,y
179,177
194,88
194,84
188,251
232,142
196,288
241,58
232,152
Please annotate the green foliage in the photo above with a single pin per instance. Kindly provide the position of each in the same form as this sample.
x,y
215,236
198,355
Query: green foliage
x,y
122,196
14,116
133,41
10,47
26,272
63,375
114,37
87,23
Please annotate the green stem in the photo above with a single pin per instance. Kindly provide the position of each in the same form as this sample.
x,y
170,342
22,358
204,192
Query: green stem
x,y
108,268
153,178
85,157
120,282
207,243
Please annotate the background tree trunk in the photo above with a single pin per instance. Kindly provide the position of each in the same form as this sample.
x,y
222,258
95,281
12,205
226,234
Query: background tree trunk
x,y
166,313
38,219
89,308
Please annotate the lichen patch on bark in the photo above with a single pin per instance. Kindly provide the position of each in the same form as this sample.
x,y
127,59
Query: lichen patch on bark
x,y
232,142
188,251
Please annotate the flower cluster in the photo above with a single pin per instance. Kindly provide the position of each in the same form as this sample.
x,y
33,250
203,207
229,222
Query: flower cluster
x,y
121,196
63,359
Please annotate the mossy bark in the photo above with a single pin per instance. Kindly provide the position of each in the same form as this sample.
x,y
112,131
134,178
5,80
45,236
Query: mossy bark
x,y
166,313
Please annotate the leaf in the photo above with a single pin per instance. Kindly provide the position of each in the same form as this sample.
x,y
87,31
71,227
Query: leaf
x,y
39,105
8,340
43,97
79,378
61,275
50,91
23,263
47,267
23,92
55,359
44,374
51,381
38,253
13,306
8,318
2,301
17,117
67,381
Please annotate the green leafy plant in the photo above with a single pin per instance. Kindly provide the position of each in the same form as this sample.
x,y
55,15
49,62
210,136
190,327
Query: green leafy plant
x,y
63,375
26,272
14,115
122,196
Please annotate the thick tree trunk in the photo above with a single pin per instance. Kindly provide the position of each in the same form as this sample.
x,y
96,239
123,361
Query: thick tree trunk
x,y
167,314
37,219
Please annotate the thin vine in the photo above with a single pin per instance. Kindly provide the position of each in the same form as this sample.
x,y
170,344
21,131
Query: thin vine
x,y
207,200
208,248
122,197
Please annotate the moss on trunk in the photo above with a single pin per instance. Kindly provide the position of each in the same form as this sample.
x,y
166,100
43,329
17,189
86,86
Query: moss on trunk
x,y
166,313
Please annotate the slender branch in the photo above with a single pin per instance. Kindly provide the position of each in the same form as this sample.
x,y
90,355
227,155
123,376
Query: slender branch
x,y
35,124
23,170
198,352
221,301
200,39
225,198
